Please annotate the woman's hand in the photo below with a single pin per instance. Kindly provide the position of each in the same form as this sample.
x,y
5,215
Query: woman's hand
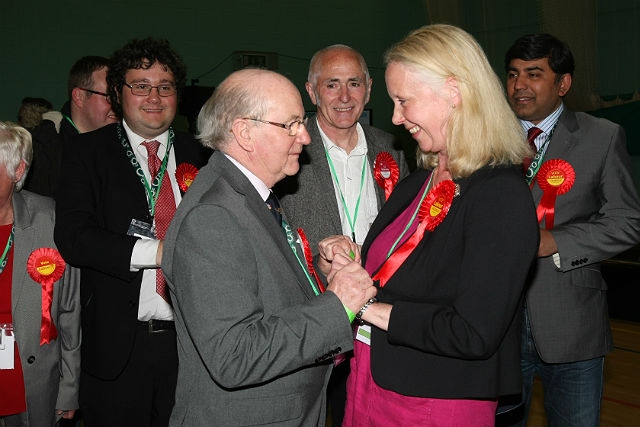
x,y
333,245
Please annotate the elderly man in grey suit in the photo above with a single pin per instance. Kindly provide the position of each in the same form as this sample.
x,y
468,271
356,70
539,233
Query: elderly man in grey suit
x,y
256,334
335,191
588,210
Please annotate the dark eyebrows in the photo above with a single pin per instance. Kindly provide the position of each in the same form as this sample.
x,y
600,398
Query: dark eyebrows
x,y
526,70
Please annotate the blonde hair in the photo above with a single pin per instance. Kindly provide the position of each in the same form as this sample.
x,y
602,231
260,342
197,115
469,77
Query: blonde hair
x,y
482,129
15,147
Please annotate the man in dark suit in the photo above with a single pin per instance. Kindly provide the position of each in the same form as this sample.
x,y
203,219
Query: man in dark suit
x,y
256,336
335,191
110,218
87,109
588,210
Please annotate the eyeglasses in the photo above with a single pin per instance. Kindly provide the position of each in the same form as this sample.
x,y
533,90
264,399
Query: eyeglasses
x,y
144,89
106,95
293,127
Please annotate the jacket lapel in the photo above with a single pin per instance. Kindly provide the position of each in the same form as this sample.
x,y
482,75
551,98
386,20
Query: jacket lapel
x,y
259,208
562,142
23,239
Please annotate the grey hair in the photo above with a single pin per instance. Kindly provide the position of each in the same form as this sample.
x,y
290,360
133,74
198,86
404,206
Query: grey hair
x,y
231,100
314,63
15,147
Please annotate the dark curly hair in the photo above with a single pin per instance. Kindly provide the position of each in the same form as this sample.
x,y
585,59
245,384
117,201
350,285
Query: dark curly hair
x,y
143,54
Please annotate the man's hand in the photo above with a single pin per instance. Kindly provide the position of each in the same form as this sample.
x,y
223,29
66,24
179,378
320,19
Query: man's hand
x,y
350,282
159,253
548,245
333,245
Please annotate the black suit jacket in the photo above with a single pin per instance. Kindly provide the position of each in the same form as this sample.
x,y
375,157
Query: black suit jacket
x,y
455,325
99,195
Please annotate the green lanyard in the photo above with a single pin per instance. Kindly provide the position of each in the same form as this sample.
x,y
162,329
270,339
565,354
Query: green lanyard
x,y
532,171
4,258
413,217
352,223
70,121
292,244
153,189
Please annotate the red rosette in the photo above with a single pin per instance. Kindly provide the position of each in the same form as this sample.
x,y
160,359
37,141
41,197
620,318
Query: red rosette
x,y
308,256
555,177
435,206
433,209
386,172
185,174
46,266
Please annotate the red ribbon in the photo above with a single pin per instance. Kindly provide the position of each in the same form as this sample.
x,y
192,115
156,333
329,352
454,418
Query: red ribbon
x,y
185,174
308,256
386,172
555,177
433,209
46,266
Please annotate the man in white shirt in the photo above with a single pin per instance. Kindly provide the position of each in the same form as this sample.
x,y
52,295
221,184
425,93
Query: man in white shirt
x,y
335,191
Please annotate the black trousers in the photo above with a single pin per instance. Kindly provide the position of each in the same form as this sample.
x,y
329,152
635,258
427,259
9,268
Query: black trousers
x,y
144,394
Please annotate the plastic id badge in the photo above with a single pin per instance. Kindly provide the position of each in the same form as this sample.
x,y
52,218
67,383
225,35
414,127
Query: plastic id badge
x,y
7,346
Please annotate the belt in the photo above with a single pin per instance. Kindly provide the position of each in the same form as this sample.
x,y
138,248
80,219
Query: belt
x,y
153,325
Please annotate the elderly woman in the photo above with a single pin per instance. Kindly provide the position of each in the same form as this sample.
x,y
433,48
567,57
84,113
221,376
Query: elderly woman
x,y
450,249
39,300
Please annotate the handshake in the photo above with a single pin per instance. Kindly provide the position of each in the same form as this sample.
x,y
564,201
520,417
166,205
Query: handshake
x,y
340,262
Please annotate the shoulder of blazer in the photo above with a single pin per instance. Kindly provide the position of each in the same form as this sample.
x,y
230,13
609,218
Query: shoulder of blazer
x,y
189,149
28,207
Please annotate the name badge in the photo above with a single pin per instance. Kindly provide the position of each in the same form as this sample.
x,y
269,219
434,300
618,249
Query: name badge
x,y
363,334
7,346
141,229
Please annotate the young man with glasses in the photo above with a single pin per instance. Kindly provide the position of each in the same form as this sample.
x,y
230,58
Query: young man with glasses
x,y
122,184
87,109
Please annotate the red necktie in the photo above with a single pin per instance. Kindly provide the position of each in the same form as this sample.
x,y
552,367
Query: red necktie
x,y
165,207
532,134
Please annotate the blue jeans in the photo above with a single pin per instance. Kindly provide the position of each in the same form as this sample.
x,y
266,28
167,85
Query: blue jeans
x,y
572,391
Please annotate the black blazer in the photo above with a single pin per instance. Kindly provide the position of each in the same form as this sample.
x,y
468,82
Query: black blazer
x,y
455,325
100,193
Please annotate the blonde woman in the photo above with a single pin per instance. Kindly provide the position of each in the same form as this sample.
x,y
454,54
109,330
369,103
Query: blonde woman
x,y
450,250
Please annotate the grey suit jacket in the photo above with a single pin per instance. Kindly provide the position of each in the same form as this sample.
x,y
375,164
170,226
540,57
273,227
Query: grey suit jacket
x,y
596,219
254,342
308,198
51,371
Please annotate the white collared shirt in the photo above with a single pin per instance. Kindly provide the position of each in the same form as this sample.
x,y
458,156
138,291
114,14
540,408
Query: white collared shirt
x,y
348,172
151,305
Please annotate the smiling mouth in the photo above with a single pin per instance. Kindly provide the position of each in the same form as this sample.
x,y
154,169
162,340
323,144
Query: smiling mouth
x,y
414,130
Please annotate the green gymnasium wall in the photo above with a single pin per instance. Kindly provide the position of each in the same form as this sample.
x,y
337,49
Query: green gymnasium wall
x,y
40,39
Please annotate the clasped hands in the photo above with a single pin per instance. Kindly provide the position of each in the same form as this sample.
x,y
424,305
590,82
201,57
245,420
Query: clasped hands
x,y
340,262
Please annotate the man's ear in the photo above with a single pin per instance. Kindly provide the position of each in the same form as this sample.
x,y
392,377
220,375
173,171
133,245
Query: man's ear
x,y
78,96
369,85
565,84
242,133
311,92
